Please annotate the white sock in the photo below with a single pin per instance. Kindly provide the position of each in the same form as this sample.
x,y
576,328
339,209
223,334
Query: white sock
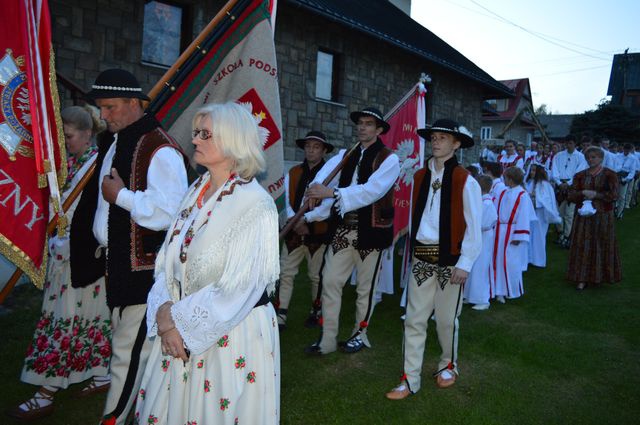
x,y
102,380
38,399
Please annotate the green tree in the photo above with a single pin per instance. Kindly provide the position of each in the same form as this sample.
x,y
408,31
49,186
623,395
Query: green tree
x,y
612,121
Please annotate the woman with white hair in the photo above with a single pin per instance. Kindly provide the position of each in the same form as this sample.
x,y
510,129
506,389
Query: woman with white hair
x,y
216,354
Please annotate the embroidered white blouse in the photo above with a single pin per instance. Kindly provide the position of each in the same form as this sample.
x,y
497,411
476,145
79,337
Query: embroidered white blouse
x,y
216,261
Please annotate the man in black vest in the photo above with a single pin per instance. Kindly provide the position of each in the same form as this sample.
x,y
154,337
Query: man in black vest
x,y
361,200
125,210
307,240
446,239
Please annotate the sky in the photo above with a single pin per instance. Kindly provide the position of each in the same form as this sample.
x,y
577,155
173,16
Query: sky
x,y
564,47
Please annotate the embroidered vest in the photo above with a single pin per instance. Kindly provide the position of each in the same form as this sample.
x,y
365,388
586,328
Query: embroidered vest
x,y
452,224
299,178
375,221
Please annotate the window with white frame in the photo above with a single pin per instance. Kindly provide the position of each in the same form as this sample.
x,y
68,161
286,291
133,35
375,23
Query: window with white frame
x,y
485,133
327,76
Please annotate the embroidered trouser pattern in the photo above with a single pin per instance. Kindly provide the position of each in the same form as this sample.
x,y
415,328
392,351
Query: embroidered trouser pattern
x,y
340,260
430,291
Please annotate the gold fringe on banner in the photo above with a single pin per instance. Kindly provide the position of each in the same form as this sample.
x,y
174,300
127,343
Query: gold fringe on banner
x,y
42,181
17,257
63,222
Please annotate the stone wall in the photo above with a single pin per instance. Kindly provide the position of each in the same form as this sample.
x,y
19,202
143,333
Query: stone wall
x,y
91,36
372,73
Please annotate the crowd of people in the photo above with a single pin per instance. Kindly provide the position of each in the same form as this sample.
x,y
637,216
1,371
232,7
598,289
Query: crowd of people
x,y
170,297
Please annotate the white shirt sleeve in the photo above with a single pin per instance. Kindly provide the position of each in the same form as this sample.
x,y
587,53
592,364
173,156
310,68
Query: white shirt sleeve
x,y
323,211
472,211
489,216
155,207
357,196
157,296
290,211
205,316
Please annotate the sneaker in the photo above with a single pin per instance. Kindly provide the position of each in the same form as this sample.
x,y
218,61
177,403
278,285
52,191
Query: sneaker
x,y
480,307
501,299
353,345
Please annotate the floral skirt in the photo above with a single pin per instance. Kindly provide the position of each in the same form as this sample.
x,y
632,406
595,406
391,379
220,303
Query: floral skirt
x,y
237,381
72,340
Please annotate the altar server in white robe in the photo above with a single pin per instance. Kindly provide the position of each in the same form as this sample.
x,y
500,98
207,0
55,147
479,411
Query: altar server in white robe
x,y
480,286
515,212
546,208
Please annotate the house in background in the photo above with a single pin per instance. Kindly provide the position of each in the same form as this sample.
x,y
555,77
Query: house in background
x,y
334,56
515,119
556,126
624,82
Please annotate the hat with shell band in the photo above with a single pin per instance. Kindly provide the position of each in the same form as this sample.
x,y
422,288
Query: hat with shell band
x,y
371,112
448,126
315,135
115,83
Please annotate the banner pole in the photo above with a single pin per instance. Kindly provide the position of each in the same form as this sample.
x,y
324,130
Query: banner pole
x,y
195,44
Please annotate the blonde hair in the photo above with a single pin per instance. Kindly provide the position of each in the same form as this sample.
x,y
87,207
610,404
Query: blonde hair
x,y
235,130
83,118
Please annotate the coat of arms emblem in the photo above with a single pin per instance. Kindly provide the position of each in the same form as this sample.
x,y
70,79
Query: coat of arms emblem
x,y
15,115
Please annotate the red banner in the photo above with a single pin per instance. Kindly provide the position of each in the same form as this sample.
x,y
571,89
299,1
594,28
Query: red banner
x,y
31,140
404,141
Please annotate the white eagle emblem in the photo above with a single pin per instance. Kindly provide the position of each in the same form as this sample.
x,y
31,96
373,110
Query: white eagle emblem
x,y
408,164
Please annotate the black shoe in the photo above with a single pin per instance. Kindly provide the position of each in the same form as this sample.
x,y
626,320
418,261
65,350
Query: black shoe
x,y
313,350
313,320
352,346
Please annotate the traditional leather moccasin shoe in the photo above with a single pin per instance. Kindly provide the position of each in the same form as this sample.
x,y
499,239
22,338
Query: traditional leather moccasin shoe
x,y
93,388
398,393
33,410
446,379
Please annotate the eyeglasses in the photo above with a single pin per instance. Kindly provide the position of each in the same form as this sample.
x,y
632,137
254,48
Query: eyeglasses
x,y
202,134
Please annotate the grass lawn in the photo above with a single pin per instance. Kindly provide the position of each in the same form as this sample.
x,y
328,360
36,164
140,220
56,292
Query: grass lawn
x,y
555,356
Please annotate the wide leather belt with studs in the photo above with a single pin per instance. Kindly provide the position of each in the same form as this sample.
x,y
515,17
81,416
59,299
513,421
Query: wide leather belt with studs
x,y
428,253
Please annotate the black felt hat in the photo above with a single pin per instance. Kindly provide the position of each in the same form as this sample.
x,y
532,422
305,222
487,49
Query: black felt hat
x,y
114,83
451,127
371,112
315,135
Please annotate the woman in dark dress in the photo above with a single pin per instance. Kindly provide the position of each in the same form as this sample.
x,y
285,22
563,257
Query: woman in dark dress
x,y
594,257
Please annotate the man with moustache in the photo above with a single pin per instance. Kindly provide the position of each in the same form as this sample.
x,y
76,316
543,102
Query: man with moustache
x,y
124,212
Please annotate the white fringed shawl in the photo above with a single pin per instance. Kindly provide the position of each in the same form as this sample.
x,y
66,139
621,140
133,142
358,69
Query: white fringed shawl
x,y
231,259
235,244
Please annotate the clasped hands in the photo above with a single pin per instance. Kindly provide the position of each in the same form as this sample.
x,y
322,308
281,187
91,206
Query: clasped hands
x,y
171,341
